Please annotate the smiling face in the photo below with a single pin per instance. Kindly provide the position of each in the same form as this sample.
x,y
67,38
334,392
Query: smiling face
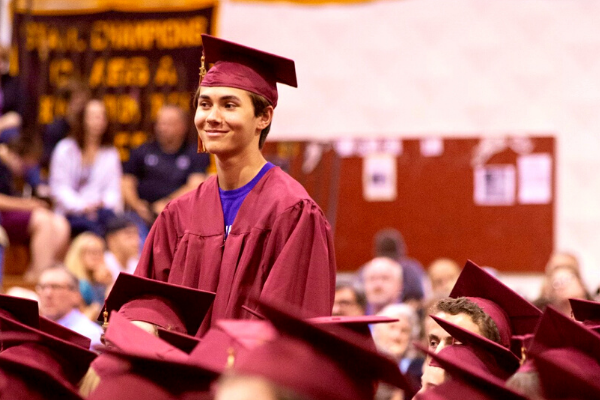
x,y
226,122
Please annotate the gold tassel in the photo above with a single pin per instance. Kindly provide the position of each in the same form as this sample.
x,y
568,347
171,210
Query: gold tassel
x,y
230,357
202,70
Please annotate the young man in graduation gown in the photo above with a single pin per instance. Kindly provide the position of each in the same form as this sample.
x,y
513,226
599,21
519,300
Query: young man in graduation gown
x,y
251,230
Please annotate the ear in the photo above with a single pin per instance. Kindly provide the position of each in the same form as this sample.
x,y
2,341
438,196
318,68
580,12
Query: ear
x,y
265,118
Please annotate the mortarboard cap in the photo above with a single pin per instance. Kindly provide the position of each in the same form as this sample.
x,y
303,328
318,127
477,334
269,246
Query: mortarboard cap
x,y
587,312
169,306
66,362
27,380
565,352
325,365
55,329
360,325
246,68
228,339
150,359
20,309
463,362
499,360
183,342
512,314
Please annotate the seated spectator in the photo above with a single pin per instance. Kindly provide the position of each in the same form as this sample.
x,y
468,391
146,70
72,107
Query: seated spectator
x,y
443,274
85,260
390,243
561,283
383,283
12,100
123,246
85,172
29,221
396,339
163,169
349,301
59,299
76,94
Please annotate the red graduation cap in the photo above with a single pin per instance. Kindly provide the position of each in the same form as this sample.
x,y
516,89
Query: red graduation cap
x,y
20,309
169,306
26,379
148,359
587,312
472,379
246,68
313,361
461,390
359,325
228,339
64,361
183,342
498,359
512,314
55,329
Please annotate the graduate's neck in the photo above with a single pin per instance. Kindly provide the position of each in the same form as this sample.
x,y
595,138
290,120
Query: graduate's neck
x,y
237,171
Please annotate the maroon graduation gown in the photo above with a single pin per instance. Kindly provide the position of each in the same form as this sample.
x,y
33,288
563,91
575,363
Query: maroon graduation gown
x,y
280,247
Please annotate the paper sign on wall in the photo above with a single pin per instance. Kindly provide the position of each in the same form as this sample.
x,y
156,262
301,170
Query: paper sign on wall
x,y
535,178
379,177
495,185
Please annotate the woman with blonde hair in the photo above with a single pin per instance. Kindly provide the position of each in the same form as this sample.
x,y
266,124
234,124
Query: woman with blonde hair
x,y
85,259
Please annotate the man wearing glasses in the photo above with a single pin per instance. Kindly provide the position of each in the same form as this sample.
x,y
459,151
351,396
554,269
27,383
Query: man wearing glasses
x,y
59,298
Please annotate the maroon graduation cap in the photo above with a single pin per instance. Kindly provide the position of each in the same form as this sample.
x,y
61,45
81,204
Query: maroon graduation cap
x,y
498,360
183,342
63,360
22,310
588,312
229,339
164,368
359,324
169,306
26,378
567,357
313,361
245,68
56,329
461,390
512,314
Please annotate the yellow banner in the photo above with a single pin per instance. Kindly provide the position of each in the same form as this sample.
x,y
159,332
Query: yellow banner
x,y
49,7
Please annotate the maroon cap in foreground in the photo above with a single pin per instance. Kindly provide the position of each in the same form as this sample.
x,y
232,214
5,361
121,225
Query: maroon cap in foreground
x,y
23,310
512,314
229,339
498,359
246,68
169,306
568,374
359,325
460,390
588,312
556,330
55,329
313,361
465,365
149,359
42,364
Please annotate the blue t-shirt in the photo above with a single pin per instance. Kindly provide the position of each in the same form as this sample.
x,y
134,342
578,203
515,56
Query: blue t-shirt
x,y
231,200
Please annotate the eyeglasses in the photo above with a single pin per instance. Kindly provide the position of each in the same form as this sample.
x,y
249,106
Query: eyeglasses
x,y
54,286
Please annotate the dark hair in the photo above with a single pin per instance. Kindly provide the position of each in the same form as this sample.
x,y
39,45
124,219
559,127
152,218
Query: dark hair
x,y
463,305
359,295
259,103
78,130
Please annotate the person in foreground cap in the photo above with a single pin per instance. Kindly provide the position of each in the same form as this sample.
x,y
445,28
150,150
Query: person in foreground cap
x,y
251,229
309,361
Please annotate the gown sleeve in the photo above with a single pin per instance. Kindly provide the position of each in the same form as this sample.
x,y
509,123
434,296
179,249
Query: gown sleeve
x,y
302,256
